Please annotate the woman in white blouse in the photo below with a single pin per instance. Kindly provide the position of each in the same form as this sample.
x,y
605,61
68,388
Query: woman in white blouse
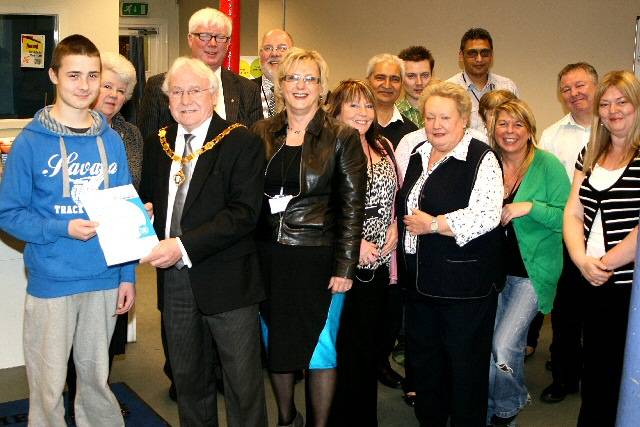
x,y
449,253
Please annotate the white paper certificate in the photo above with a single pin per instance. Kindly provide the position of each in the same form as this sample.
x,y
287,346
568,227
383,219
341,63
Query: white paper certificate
x,y
125,231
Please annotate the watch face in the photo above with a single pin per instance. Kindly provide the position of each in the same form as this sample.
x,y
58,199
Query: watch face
x,y
434,226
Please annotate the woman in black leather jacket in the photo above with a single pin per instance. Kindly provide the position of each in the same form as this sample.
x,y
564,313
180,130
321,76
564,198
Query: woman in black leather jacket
x,y
309,234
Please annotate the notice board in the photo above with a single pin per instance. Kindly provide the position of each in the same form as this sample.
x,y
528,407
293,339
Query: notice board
x,y
26,46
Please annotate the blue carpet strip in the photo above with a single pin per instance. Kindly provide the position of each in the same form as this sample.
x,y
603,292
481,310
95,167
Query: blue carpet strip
x,y
140,414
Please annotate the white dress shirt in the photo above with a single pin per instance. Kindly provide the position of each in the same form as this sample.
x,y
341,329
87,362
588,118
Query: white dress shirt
x,y
494,82
482,214
566,138
394,118
199,135
220,108
410,140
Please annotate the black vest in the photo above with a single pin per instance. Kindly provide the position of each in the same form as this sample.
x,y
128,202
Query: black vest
x,y
444,269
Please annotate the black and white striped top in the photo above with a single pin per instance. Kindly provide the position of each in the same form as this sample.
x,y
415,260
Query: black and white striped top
x,y
619,207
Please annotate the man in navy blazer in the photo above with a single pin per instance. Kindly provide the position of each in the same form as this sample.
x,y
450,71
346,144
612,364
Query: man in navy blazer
x,y
208,38
204,177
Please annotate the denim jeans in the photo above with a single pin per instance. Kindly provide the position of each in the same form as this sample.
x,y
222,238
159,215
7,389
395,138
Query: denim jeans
x,y
517,306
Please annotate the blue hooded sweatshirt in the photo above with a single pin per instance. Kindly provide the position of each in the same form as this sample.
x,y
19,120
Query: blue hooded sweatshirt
x,y
35,208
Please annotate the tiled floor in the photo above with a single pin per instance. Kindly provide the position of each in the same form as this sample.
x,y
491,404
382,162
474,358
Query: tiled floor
x,y
141,369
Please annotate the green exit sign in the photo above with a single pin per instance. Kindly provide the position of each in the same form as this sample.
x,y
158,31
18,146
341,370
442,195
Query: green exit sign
x,y
134,9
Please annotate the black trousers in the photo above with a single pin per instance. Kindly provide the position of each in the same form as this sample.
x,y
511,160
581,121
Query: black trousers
x,y
236,335
356,398
605,330
449,345
566,324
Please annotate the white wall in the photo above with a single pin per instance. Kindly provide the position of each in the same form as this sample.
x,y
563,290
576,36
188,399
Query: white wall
x,y
533,40
97,20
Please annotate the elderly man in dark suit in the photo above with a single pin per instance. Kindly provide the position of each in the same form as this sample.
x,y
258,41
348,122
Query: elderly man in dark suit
x,y
239,98
204,178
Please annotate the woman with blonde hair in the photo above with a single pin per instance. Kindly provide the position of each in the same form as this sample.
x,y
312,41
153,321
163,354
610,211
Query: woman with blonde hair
x,y
449,254
536,188
309,234
600,231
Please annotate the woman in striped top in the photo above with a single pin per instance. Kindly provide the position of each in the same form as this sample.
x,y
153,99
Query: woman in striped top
x,y
600,231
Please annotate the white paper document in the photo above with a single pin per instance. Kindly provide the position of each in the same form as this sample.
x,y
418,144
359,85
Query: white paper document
x,y
125,231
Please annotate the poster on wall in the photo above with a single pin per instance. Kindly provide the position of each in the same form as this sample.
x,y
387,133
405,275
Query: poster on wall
x,y
32,50
250,67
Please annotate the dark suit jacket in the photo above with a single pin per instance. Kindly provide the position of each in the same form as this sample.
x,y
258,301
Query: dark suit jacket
x,y
242,103
220,213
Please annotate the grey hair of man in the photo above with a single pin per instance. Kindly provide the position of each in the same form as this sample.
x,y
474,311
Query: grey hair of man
x,y
124,69
385,57
198,67
210,17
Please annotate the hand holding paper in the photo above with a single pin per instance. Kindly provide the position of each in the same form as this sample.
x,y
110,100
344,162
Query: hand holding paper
x,y
125,231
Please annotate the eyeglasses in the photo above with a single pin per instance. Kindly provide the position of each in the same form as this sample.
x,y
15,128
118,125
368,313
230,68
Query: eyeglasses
x,y
206,37
195,92
282,48
290,78
473,53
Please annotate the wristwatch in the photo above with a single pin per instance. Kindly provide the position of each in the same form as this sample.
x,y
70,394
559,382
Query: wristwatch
x,y
434,225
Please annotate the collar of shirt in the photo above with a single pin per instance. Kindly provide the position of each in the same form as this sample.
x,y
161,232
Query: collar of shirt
x,y
199,135
266,83
394,118
568,120
459,151
220,108
491,83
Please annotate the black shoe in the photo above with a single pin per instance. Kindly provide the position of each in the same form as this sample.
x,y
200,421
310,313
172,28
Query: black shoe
x,y
499,421
173,394
390,378
556,393
409,399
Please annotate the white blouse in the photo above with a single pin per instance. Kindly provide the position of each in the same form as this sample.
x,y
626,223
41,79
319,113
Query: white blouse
x,y
482,214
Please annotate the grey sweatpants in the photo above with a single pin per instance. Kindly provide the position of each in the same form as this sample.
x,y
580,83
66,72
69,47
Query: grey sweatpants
x,y
51,327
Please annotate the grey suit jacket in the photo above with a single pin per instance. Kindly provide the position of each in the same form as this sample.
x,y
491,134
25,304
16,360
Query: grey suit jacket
x,y
241,101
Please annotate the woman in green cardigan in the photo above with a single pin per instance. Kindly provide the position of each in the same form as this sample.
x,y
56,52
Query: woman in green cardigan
x,y
536,189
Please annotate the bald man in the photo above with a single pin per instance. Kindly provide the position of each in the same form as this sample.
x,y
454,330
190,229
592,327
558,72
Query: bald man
x,y
275,44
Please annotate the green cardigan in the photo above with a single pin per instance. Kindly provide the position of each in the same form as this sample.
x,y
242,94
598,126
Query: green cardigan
x,y
539,233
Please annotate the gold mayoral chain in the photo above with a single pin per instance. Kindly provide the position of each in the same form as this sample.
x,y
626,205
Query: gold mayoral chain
x,y
179,177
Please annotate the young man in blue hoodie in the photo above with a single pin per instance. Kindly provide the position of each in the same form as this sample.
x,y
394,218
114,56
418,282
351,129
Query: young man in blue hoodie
x,y
72,295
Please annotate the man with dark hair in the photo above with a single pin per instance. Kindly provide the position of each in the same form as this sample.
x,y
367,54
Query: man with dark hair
x,y
275,44
238,98
566,138
418,70
73,296
476,56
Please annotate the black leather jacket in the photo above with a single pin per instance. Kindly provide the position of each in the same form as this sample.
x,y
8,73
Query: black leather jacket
x,y
329,210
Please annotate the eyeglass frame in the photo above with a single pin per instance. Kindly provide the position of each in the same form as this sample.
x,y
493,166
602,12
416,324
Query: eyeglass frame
x,y
291,78
211,36
282,48
194,92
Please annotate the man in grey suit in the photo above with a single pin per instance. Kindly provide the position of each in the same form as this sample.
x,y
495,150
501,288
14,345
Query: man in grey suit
x,y
238,98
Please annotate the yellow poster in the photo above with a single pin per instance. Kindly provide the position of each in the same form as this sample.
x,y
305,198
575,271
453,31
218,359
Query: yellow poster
x,y
32,50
